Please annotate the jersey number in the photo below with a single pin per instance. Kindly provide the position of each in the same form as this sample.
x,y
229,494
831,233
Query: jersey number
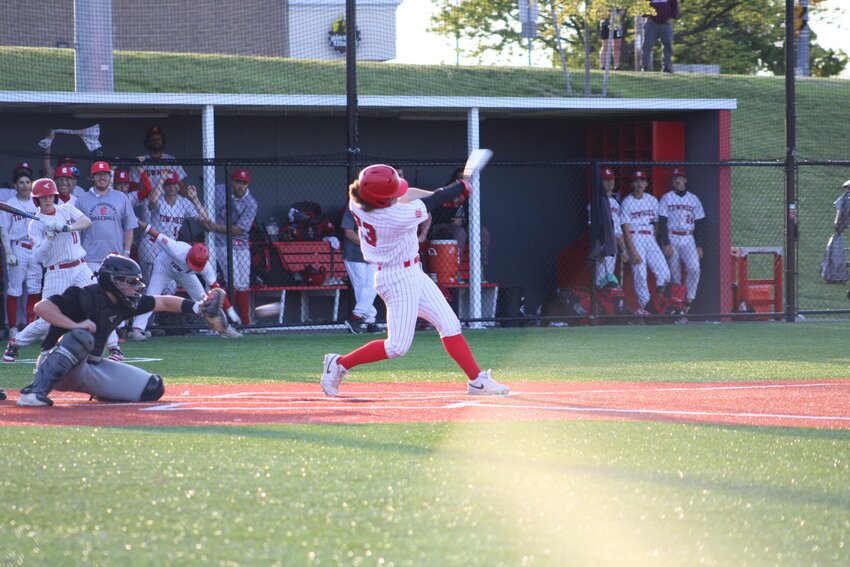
x,y
367,231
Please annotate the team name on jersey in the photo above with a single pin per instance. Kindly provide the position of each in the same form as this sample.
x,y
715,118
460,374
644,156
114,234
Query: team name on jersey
x,y
644,213
688,208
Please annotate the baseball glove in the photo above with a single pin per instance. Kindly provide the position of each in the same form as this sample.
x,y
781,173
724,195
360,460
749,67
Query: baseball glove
x,y
212,310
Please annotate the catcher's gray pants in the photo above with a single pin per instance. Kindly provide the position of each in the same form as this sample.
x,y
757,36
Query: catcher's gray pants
x,y
107,380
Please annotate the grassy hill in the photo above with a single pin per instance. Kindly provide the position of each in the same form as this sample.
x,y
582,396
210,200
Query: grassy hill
x,y
758,125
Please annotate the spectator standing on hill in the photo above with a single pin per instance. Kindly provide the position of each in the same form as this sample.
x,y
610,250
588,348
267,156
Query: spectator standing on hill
x,y
659,26
611,35
243,211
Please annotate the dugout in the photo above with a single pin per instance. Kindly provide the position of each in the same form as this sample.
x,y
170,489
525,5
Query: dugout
x,y
534,193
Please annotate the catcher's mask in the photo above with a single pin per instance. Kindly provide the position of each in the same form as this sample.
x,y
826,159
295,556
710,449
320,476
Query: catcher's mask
x,y
123,277
379,184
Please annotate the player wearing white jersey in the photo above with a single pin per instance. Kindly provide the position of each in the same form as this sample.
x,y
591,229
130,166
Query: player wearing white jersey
x,y
387,214
66,180
17,245
169,210
56,246
181,262
680,225
639,212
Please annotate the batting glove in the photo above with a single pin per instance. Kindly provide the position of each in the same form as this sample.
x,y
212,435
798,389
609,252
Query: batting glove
x,y
11,259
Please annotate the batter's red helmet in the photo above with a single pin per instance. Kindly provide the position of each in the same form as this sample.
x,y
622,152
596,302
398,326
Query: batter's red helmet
x,y
42,188
379,184
197,257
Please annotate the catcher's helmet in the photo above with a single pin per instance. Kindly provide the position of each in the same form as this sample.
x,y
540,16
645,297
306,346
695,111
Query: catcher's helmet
x,y
197,257
42,188
379,184
123,277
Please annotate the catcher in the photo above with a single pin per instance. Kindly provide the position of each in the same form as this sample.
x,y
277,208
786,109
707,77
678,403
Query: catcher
x,y
81,319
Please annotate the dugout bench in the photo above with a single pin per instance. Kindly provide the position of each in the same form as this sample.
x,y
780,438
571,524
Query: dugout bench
x,y
327,278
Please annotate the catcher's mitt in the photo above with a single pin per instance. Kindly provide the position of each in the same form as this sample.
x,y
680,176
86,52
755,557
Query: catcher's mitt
x,y
212,310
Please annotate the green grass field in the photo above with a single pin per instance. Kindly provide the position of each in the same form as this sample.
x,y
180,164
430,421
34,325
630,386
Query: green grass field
x,y
481,493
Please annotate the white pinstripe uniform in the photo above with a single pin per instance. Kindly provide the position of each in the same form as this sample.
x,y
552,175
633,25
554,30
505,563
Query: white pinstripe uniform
x,y
27,269
64,259
682,212
388,239
169,266
640,215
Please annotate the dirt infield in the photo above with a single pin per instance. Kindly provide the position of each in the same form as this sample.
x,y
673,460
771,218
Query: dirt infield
x,y
819,404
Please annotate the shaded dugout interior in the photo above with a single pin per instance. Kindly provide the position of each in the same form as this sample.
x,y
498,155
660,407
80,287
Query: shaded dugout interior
x,y
534,193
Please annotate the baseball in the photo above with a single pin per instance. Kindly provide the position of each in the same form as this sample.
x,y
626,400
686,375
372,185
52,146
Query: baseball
x,y
268,310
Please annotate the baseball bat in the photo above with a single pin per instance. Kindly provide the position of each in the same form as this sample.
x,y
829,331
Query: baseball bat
x,y
13,211
476,162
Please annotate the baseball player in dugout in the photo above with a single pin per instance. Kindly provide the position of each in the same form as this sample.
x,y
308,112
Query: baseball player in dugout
x,y
680,227
82,318
17,246
243,211
180,262
56,246
639,212
387,213
605,266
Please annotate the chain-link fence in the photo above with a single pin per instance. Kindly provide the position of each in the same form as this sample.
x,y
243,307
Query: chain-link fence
x,y
296,109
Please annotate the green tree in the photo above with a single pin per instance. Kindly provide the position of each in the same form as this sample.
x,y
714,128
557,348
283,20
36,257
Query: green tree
x,y
742,36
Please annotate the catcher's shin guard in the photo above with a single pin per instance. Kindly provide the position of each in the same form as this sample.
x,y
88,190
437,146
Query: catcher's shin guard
x,y
73,348
154,390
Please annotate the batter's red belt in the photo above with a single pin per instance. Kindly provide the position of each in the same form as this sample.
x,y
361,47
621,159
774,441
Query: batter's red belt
x,y
681,232
641,232
23,244
66,265
406,263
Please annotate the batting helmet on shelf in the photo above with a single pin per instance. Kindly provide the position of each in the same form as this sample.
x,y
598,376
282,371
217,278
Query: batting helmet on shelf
x,y
379,184
197,257
42,188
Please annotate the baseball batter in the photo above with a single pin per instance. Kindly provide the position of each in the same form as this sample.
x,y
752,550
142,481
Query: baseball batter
x,y
680,216
17,244
179,261
387,214
56,246
639,213
81,319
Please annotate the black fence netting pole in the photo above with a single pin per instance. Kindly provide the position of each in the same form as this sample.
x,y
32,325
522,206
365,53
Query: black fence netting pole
x,y
790,167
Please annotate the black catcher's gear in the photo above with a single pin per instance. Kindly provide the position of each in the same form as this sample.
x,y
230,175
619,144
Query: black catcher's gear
x,y
123,277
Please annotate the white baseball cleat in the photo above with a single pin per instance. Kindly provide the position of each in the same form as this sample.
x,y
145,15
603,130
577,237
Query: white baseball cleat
x,y
484,385
138,334
230,333
333,376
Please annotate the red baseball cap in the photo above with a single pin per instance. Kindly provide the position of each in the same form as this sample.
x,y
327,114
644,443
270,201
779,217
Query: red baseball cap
x,y
154,130
241,174
197,257
22,166
172,178
121,176
64,171
639,174
100,167
67,160
678,172
608,173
